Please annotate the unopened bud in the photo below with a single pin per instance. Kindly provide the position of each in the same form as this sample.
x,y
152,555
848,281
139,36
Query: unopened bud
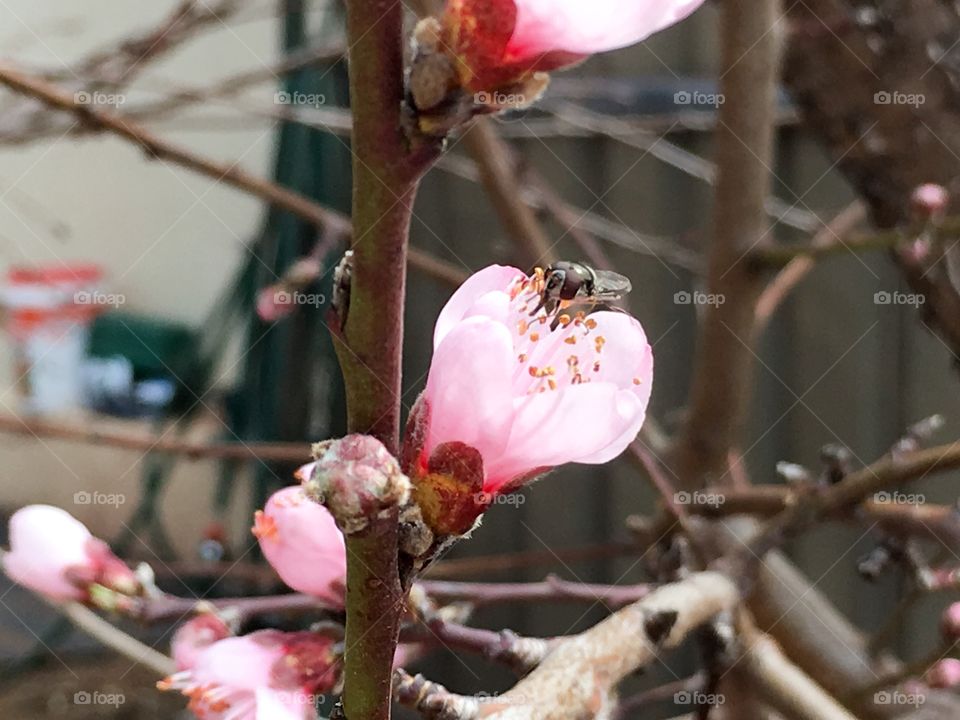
x,y
944,674
358,480
950,623
929,201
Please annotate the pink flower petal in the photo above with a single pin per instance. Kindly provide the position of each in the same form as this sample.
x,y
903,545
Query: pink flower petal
x,y
557,427
302,542
468,388
490,279
586,27
283,705
45,542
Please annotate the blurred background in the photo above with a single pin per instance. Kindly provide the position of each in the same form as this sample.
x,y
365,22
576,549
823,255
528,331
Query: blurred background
x,y
129,288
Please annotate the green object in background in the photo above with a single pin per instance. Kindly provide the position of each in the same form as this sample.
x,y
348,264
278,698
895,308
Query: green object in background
x,y
156,348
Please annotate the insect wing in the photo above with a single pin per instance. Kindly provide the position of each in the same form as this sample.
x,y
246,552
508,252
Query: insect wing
x,y
610,284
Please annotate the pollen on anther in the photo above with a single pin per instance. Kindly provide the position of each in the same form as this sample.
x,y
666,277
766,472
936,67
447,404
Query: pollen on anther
x,y
534,372
522,357
599,342
521,327
552,383
590,323
572,340
564,320
596,366
637,381
534,337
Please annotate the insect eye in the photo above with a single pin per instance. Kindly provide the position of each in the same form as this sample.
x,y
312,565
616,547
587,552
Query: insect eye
x,y
555,280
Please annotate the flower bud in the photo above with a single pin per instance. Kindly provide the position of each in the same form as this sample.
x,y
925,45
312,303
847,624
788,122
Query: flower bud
x,y
929,201
53,553
944,674
300,539
950,623
357,479
196,635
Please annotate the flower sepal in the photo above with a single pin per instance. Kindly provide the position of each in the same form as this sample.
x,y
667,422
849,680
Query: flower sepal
x,y
449,490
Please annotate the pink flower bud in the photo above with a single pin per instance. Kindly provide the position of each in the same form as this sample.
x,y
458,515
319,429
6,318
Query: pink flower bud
x,y
499,42
930,201
266,674
524,395
194,636
54,554
301,541
273,305
944,674
950,623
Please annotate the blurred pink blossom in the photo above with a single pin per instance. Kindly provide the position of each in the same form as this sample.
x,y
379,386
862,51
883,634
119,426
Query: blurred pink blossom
x,y
944,674
300,539
54,554
525,396
266,675
195,636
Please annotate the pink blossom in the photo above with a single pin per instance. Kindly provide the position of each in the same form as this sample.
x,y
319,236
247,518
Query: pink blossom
x,y
525,396
273,304
498,41
300,539
54,554
944,674
266,675
195,636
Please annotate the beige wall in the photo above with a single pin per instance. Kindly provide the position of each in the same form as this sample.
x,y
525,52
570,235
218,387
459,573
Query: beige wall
x,y
168,239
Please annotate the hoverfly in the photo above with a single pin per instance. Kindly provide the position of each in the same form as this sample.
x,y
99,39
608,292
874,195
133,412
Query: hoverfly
x,y
565,283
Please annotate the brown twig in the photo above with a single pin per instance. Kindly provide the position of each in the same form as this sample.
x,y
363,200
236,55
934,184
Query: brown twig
x,y
577,678
723,365
796,269
90,434
553,589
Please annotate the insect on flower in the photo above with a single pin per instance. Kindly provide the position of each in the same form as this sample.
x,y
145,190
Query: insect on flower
x,y
566,283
